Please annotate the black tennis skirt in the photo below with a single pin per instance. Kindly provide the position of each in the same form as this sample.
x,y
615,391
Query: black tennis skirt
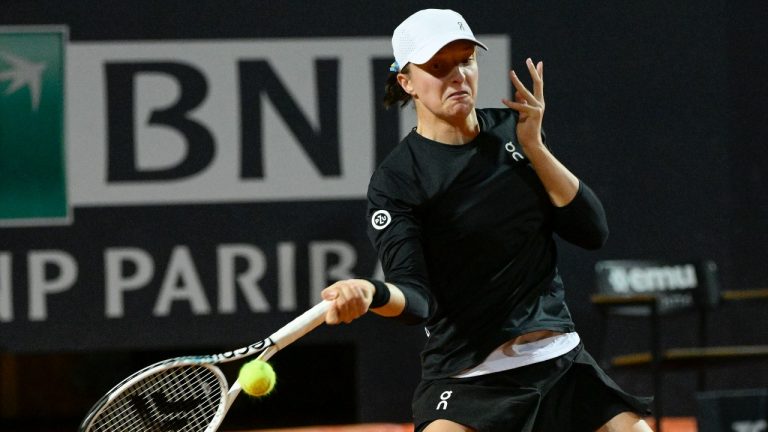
x,y
568,393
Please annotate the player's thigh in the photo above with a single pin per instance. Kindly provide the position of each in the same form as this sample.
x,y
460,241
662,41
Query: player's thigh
x,y
446,426
626,422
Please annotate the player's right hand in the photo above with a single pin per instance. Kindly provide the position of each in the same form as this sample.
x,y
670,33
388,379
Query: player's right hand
x,y
351,299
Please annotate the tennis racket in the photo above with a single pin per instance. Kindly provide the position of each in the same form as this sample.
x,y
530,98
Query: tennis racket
x,y
187,394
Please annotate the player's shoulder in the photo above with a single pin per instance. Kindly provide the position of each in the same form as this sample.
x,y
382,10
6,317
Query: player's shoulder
x,y
398,174
400,160
494,117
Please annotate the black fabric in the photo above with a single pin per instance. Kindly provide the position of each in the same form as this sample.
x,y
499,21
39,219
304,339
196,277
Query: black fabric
x,y
416,306
568,220
567,394
381,295
468,231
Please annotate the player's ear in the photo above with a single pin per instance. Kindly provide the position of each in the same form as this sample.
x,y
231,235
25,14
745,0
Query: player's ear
x,y
405,82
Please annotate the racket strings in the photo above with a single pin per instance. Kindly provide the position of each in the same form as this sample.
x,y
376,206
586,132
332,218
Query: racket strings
x,y
176,399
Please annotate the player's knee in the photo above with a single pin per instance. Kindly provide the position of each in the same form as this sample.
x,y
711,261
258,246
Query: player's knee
x,y
626,422
447,426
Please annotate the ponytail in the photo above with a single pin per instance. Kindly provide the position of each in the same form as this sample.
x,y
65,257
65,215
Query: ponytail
x,y
393,92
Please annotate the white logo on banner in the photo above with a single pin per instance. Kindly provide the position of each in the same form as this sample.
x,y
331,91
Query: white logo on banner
x,y
750,426
653,279
23,73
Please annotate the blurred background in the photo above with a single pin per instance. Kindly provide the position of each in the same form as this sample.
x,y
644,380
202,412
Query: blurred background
x,y
181,177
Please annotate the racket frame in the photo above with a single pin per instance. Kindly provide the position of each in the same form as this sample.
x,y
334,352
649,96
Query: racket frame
x,y
283,337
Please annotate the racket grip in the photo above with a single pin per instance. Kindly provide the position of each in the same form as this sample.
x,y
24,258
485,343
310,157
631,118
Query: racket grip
x,y
300,325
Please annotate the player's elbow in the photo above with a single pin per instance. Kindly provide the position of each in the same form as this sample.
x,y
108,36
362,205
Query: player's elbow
x,y
597,239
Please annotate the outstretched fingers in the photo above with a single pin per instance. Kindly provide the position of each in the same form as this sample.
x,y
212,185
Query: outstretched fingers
x,y
537,76
529,104
524,96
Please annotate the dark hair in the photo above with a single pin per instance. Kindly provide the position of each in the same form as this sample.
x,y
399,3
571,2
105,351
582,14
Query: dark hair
x,y
393,92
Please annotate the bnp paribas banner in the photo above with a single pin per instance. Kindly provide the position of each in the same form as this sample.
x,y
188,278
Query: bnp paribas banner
x,y
179,188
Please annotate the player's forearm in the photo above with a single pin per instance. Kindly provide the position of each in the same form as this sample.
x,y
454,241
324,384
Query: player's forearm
x,y
394,306
561,185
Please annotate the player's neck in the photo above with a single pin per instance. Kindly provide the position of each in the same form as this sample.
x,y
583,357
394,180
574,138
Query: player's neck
x,y
449,132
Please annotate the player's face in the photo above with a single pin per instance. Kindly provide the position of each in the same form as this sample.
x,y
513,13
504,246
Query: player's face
x,y
446,85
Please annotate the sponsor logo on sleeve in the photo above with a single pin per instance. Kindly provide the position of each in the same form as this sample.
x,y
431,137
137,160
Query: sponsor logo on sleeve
x,y
381,219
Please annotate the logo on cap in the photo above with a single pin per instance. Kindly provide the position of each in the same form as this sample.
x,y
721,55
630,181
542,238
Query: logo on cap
x,y
424,33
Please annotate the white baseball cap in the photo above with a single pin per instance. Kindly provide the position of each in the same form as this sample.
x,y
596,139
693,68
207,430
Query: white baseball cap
x,y
422,34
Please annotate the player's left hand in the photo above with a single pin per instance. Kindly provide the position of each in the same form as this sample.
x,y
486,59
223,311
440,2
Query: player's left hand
x,y
529,105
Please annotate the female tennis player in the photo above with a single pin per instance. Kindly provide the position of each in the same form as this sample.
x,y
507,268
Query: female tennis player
x,y
462,214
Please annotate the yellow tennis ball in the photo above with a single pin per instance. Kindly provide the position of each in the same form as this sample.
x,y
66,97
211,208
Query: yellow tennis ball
x,y
257,378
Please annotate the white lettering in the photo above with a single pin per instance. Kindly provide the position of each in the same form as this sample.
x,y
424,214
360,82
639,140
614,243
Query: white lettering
x,y
129,272
749,426
6,288
650,279
247,281
511,149
286,276
40,286
320,273
117,282
675,301
181,283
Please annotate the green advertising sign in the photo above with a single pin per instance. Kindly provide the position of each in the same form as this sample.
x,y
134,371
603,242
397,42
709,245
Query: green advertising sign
x,y
33,186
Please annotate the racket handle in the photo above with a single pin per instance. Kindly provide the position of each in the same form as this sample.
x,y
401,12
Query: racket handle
x,y
300,325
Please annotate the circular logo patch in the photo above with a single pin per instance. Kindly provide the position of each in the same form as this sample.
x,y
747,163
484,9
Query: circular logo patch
x,y
380,219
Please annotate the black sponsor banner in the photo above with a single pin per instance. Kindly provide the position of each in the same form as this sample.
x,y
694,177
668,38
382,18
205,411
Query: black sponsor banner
x,y
185,275
677,285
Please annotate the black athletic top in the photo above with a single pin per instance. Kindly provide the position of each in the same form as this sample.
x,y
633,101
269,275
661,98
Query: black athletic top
x,y
465,231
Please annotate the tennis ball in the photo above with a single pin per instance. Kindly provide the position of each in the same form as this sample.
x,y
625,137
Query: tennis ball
x,y
257,378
